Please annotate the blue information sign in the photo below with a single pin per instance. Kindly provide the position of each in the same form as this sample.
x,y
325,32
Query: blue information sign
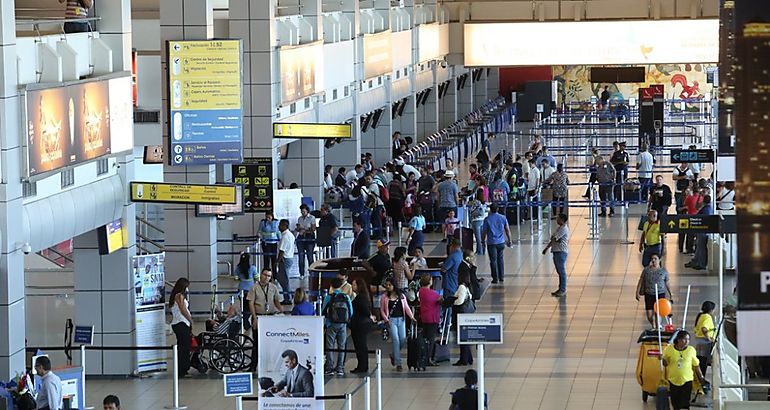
x,y
238,384
480,328
84,335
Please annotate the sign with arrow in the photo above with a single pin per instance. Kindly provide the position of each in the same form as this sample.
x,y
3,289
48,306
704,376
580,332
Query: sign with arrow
x,y
690,224
692,156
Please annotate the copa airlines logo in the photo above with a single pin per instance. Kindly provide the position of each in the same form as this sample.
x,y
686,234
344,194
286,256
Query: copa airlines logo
x,y
290,332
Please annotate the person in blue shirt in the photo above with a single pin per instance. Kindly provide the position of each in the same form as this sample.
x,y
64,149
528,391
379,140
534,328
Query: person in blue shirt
x,y
336,324
500,188
544,155
415,238
701,258
497,235
269,234
245,272
302,307
450,267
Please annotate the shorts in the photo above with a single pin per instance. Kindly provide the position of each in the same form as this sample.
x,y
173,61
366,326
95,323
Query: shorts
x,y
649,300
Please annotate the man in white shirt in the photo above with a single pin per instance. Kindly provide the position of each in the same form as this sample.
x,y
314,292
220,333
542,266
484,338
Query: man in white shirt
x,y
547,170
644,163
50,395
533,184
354,174
285,259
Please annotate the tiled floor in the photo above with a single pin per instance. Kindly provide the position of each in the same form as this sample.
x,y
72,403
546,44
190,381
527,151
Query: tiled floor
x,y
578,352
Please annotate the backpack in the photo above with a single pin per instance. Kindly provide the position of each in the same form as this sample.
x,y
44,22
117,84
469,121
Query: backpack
x,y
338,310
384,193
498,195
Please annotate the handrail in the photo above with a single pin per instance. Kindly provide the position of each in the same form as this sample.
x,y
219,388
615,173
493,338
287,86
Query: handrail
x,y
152,242
745,386
61,255
54,20
143,249
146,222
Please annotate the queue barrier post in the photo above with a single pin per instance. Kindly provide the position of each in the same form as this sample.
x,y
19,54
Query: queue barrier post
x,y
379,379
83,374
368,393
175,385
349,401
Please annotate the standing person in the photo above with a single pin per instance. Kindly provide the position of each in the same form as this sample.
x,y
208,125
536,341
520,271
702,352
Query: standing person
x,y
359,249
337,309
451,266
653,285
378,266
644,163
328,182
533,185
660,197
306,225
430,312
559,245
592,169
49,396
418,262
546,171
111,402
694,166
463,303
425,196
77,9
329,221
705,334
725,196
478,213
451,225
394,308
302,306
701,258
605,98
497,235
181,323
536,146
620,161
245,272
395,205
285,259
681,363
361,324
346,288
415,238
354,174
652,241
263,300
559,182
402,272
447,192
682,178
605,176
690,201
269,235
467,398
450,167
340,179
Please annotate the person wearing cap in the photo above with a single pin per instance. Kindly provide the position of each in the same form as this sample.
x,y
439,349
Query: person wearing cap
x,y
448,195
378,265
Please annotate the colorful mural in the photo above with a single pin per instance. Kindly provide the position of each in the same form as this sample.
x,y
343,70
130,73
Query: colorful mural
x,y
680,80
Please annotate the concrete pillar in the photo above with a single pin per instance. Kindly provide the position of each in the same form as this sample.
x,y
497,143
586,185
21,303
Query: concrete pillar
x,y
305,166
407,123
11,240
378,140
427,122
480,89
465,96
449,104
191,242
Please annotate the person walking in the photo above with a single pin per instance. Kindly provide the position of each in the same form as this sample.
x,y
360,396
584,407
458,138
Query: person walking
x,y
361,325
559,246
269,235
605,176
49,396
660,197
478,213
306,225
653,285
337,310
682,366
181,323
447,192
394,308
245,272
559,182
497,235
430,312
285,259
652,240
463,303
415,238
644,163
705,334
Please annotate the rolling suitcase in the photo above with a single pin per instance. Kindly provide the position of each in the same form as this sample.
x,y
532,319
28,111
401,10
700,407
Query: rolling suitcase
x,y
417,350
441,347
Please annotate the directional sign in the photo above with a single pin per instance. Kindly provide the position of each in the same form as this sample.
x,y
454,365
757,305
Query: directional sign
x,y
690,223
182,193
692,155
238,384
480,328
315,131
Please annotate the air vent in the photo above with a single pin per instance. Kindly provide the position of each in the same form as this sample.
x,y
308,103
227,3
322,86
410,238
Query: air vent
x,y
146,117
67,177
29,189
102,166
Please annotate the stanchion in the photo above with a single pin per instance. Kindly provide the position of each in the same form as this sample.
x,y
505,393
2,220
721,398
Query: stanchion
x,y
238,402
175,383
593,232
368,393
348,401
399,233
83,375
379,379
481,376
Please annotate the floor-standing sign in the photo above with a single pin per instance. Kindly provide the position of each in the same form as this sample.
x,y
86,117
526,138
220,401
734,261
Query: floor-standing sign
x,y
291,362
149,302
238,385
480,329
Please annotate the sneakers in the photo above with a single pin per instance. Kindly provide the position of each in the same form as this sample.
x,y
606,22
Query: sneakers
x,y
340,373
328,372
494,281
603,214
558,294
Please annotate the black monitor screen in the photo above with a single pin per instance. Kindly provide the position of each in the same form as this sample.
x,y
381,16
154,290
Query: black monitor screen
x,y
376,117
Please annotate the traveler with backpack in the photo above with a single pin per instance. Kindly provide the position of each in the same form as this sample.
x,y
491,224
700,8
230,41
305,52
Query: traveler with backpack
x,y
478,212
337,309
394,309
361,325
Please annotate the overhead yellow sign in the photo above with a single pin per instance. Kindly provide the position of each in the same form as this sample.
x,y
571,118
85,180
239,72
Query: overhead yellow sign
x,y
317,131
182,193
205,75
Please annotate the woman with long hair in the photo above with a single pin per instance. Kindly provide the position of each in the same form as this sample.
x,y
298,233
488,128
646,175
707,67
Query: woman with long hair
x,y
269,235
681,364
464,304
181,323
245,272
402,272
302,307
361,324
394,309
415,238
478,212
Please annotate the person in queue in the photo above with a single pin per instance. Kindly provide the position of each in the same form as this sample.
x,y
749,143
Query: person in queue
x,y
430,312
245,272
269,235
285,259
361,324
402,272
653,285
451,266
306,226
329,222
463,303
394,309
302,306
337,309
181,323
478,213
378,265
415,238
682,366
359,248
50,396
264,299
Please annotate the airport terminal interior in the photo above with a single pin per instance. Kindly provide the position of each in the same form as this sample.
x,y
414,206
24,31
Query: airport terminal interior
x,y
368,204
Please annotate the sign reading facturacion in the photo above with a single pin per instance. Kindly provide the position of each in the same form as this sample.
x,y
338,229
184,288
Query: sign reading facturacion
x,y
205,99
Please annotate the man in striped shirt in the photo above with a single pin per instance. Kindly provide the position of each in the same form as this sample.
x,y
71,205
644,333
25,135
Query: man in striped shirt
x,y
76,9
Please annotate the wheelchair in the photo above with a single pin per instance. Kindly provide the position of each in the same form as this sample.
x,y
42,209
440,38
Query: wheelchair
x,y
226,353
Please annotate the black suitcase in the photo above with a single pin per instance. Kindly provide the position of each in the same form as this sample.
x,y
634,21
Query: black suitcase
x,y
441,347
510,214
417,352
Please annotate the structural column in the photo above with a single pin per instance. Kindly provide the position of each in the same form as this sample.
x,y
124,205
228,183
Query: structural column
x,y
428,121
449,104
480,89
12,313
191,242
465,96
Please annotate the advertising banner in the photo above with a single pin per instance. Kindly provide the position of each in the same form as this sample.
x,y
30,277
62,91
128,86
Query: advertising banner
x,y
301,71
77,122
256,176
433,41
564,43
149,302
378,59
290,362
205,95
